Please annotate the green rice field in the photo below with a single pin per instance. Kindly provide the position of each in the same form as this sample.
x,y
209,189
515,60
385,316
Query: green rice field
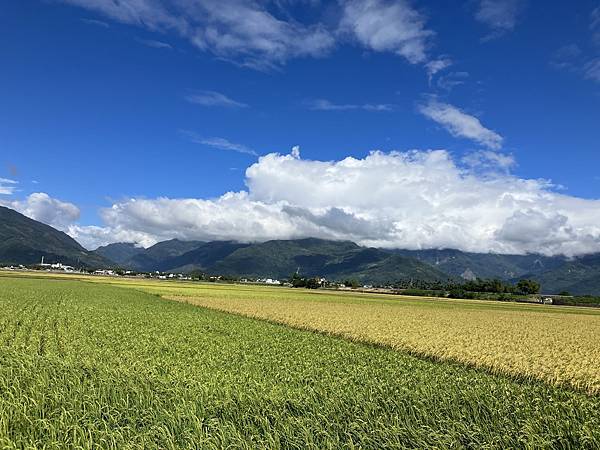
x,y
100,363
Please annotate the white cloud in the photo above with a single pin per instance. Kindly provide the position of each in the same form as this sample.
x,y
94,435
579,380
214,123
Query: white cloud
x,y
295,153
212,98
415,199
154,44
436,66
500,15
595,25
532,229
566,57
489,160
571,58
595,18
240,30
263,34
7,186
460,124
95,22
218,142
385,26
92,237
326,105
592,70
451,80
224,144
43,208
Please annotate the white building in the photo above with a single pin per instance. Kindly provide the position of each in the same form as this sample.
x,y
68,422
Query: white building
x,y
270,281
61,266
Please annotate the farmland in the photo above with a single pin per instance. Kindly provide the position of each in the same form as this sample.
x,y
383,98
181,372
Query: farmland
x,y
109,363
558,345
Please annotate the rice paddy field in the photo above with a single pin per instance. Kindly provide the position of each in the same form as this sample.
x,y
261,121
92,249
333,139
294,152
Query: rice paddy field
x,y
114,363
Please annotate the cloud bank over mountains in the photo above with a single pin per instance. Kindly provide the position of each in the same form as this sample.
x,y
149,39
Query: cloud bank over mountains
x,y
414,199
40,206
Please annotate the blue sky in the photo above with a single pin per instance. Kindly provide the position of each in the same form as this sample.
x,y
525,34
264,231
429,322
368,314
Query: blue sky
x,y
102,104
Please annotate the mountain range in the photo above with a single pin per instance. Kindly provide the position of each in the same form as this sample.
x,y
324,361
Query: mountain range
x,y
275,259
25,241
468,265
343,259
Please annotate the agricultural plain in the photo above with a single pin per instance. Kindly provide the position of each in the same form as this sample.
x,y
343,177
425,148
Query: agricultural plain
x,y
556,344
93,364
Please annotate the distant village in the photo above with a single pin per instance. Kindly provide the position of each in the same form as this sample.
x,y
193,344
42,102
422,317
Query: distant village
x,y
470,289
59,267
295,280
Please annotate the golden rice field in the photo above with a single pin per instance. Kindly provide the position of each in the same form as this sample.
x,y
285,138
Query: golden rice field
x,y
560,345
96,362
108,363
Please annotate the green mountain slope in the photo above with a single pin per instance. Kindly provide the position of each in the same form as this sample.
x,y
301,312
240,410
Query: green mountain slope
x,y
484,265
339,260
120,252
334,260
152,258
579,276
281,258
203,258
25,241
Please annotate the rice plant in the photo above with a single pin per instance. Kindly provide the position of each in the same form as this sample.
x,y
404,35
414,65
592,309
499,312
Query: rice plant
x,y
558,345
98,366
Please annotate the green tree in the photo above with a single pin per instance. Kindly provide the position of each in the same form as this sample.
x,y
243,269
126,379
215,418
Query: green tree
x,y
297,281
351,283
313,283
528,287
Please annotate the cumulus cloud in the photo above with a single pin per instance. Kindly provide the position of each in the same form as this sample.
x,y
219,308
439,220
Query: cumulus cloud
x,y
531,229
321,104
500,15
460,124
242,30
43,208
489,160
385,26
414,199
7,186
